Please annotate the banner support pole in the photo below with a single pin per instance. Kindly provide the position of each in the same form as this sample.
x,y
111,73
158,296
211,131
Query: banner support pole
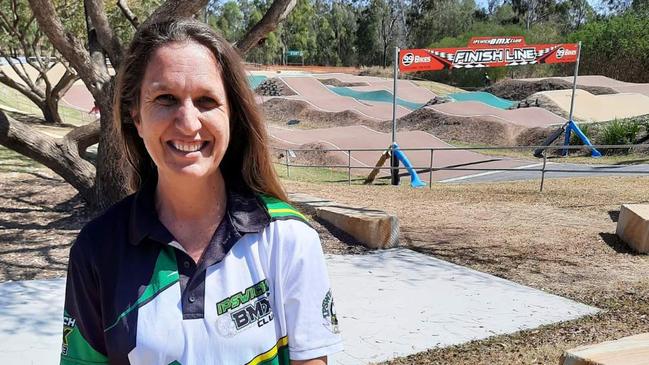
x,y
574,82
572,101
394,162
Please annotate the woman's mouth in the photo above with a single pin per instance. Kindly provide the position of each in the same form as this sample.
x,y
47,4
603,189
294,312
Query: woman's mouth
x,y
187,147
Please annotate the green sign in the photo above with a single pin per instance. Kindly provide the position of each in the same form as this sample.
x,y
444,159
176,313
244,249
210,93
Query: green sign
x,y
294,53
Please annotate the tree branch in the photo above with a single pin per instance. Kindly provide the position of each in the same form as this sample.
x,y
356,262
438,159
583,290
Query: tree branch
x,y
59,154
105,35
277,12
84,136
128,14
68,45
64,84
173,9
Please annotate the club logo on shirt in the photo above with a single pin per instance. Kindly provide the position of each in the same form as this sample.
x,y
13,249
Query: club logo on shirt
x,y
251,306
329,313
68,326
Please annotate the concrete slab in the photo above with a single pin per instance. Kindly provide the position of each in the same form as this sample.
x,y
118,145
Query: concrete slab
x,y
399,302
389,303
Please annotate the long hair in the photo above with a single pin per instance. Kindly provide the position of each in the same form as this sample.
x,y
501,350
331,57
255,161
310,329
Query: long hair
x,y
247,159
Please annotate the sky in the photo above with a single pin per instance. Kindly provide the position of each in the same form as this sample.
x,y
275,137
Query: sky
x,y
594,3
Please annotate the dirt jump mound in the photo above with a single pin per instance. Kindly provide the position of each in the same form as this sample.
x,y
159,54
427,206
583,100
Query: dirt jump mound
x,y
274,87
522,89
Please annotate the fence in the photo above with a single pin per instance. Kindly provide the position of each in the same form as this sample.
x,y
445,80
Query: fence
x,y
14,99
431,168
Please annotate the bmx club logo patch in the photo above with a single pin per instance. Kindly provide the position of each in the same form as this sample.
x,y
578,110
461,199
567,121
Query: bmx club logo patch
x,y
329,313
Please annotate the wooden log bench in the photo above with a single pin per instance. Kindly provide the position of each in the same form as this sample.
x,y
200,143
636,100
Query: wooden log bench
x,y
633,226
632,350
375,229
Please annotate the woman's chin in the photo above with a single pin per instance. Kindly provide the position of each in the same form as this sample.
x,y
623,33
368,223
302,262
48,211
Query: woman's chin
x,y
188,172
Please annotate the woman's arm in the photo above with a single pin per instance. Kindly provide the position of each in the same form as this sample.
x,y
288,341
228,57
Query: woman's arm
x,y
319,361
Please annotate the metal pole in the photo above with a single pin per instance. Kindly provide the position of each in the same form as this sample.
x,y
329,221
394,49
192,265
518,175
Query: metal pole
x,y
349,167
394,173
543,170
574,82
430,172
288,169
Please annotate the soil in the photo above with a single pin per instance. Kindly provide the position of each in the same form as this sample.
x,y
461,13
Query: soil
x,y
520,89
338,83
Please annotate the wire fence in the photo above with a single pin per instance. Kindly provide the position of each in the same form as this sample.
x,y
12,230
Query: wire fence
x,y
430,169
13,99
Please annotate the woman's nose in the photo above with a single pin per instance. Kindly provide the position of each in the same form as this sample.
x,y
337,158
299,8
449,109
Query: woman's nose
x,y
186,118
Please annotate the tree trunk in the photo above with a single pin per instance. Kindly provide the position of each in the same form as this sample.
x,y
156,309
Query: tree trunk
x,y
62,155
50,109
112,170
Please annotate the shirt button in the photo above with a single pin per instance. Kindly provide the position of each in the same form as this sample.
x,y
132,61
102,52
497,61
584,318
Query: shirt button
x,y
186,264
191,299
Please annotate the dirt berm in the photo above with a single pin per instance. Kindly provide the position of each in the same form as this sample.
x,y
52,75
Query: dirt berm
x,y
522,89
470,130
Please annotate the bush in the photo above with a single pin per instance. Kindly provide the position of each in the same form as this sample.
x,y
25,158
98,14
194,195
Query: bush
x,y
619,132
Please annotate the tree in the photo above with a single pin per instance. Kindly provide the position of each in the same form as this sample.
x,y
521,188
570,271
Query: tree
x,y
105,182
229,20
33,59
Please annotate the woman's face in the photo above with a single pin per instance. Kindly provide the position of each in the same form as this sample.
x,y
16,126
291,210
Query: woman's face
x,y
183,116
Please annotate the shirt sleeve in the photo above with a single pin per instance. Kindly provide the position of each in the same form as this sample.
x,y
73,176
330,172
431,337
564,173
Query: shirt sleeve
x,y
83,335
311,322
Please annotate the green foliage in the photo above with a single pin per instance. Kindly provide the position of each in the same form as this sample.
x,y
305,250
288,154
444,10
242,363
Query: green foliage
x,y
619,132
617,47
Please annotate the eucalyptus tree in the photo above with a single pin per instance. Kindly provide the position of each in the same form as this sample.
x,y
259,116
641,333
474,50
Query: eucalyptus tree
x,y
105,181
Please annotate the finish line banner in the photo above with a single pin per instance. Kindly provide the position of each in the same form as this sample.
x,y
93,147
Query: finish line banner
x,y
486,52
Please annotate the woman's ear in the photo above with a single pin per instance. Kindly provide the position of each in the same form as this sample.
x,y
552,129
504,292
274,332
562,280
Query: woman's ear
x,y
135,116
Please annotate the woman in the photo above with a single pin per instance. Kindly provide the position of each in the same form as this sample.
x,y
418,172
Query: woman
x,y
206,263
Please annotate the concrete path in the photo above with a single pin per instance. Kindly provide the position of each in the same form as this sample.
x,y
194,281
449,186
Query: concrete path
x,y
389,303
585,170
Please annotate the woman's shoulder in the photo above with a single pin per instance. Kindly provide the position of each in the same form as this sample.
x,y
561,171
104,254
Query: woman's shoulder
x,y
108,226
287,224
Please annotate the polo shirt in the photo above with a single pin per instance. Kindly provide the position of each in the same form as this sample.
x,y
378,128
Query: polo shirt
x,y
260,294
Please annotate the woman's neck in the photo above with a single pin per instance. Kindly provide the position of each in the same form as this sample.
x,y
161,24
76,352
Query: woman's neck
x,y
201,200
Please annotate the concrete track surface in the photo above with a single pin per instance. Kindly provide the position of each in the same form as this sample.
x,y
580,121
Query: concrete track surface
x,y
526,117
600,108
363,137
315,93
598,80
406,89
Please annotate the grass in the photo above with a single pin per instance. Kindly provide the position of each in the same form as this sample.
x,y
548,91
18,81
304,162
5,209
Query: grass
x,y
11,161
316,174
15,100
437,87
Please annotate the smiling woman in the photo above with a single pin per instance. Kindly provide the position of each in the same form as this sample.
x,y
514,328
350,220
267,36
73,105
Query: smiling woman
x,y
205,263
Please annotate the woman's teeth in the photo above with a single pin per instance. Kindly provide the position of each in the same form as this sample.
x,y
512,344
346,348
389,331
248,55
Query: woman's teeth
x,y
188,147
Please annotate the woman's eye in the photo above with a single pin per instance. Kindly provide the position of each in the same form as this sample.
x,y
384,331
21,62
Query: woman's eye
x,y
166,100
207,103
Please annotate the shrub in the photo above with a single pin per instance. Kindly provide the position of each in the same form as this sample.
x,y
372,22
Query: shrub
x,y
619,132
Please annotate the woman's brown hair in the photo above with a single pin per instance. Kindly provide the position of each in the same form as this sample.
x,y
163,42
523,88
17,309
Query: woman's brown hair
x,y
247,159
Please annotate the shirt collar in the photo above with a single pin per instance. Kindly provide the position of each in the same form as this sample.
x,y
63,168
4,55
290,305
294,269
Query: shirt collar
x,y
245,211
